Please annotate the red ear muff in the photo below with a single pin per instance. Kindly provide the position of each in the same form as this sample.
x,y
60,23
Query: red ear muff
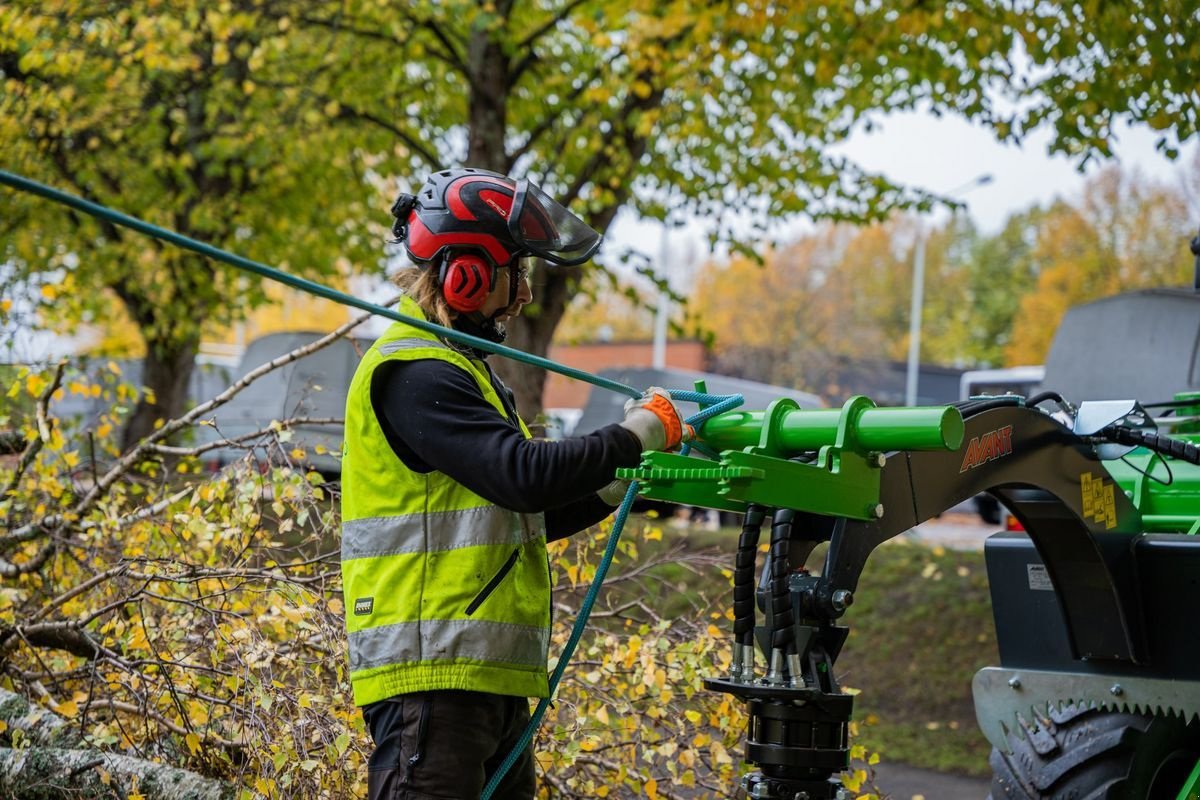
x,y
466,282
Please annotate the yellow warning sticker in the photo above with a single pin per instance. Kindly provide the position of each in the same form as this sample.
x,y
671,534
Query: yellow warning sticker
x,y
1099,499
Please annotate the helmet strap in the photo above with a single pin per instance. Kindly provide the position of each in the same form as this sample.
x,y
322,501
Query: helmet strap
x,y
476,324
513,288
513,268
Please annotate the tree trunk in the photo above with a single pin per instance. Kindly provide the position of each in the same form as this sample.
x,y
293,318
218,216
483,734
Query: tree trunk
x,y
490,74
488,104
49,766
37,725
166,372
51,773
531,333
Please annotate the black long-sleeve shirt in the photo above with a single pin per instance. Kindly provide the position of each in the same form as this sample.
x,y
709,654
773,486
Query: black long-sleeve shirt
x,y
436,419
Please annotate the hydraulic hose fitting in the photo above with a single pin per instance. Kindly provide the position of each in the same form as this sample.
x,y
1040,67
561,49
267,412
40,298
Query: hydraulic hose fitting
x,y
742,670
748,668
775,673
737,669
795,670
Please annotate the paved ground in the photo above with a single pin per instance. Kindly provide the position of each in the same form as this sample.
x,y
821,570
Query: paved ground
x,y
958,529
909,783
961,529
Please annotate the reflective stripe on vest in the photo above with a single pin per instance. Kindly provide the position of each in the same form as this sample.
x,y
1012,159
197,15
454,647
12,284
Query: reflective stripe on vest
x,y
408,344
466,639
437,530
443,589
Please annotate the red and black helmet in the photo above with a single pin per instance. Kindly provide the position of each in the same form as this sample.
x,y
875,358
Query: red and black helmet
x,y
494,215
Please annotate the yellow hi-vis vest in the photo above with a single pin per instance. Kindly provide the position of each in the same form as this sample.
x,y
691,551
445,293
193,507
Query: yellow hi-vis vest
x,y
443,589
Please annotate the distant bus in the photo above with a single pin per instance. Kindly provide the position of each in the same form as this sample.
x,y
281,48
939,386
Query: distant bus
x,y
1010,380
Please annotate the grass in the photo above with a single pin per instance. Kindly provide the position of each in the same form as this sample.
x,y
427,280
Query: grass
x,y
920,628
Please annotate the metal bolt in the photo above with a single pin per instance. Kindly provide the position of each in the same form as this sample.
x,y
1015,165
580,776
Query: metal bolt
x,y
842,599
1117,690
1014,682
842,794
878,511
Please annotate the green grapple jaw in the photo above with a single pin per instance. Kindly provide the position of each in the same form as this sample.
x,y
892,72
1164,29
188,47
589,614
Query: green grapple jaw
x,y
755,447
684,480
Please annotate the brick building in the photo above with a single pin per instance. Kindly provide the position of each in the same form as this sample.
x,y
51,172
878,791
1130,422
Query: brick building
x,y
563,392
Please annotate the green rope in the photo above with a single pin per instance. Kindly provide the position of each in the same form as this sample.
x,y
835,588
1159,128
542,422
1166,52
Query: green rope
x,y
124,220
187,243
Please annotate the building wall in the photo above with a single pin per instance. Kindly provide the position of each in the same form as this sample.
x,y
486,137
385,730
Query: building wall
x,y
564,392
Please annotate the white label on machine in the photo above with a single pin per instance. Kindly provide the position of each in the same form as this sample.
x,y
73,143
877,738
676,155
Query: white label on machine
x,y
1039,580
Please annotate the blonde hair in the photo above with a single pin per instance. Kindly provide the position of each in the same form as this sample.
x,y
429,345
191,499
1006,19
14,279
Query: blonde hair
x,y
421,285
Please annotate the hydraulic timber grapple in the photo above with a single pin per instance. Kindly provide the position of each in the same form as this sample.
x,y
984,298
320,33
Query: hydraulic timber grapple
x,y
1097,693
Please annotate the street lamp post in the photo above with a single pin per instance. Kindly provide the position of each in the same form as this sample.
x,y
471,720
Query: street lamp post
x,y
914,321
918,298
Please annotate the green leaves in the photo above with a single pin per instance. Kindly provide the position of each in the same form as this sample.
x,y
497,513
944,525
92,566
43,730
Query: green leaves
x,y
195,118
989,299
280,130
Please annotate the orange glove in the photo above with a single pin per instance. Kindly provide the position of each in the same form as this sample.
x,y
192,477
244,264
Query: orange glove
x,y
655,420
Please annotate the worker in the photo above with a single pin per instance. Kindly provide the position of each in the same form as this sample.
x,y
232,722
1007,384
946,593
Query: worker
x,y
447,501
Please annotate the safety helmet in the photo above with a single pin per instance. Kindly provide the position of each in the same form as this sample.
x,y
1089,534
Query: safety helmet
x,y
487,213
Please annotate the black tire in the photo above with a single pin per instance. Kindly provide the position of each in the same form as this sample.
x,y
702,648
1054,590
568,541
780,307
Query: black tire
x,y
1080,753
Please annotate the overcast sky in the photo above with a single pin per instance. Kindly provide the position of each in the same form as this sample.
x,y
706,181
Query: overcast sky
x,y
939,154
942,154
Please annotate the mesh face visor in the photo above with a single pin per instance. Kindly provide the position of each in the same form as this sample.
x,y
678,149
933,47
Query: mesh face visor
x,y
545,229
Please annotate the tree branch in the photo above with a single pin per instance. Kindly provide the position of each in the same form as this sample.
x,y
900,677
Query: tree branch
x,y
419,147
75,591
169,450
137,516
456,58
538,33
45,427
194,574
547,122
10,570
449,56
67,636
135,455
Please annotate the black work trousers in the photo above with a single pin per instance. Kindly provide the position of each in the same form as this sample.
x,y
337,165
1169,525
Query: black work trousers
x,y
446,745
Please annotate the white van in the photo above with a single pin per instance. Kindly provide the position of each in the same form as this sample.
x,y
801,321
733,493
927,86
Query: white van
x,y
1009,380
